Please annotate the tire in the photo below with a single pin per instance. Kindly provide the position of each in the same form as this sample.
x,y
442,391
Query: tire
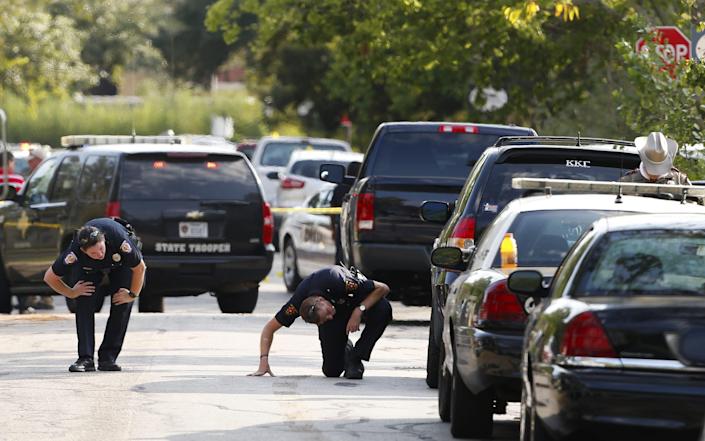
x,y
444,387
290,267
150,303
432,355
531,427
470,414
238,302
71,305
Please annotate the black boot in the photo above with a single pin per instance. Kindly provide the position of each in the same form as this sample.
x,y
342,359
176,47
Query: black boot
x,y
353,364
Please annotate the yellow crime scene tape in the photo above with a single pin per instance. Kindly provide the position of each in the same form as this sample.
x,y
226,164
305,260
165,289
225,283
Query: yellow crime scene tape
x,y
329,210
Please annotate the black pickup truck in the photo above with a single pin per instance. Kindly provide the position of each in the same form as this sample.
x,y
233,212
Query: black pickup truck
x,y
406,164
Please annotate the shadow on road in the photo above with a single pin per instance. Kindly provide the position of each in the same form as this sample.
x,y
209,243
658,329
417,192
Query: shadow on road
x,y
341,430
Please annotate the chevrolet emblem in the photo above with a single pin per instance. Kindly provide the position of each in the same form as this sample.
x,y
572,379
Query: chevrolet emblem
x,y
195,214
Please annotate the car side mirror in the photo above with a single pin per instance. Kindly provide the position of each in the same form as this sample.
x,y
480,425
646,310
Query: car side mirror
x,y
527,282
334,173
435,212
273,175
450,258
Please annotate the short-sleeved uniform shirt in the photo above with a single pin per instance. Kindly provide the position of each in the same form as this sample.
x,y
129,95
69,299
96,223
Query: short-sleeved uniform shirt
x,y
120,251
337,284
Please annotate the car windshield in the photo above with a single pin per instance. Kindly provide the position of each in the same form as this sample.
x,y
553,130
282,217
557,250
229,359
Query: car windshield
x,y
650,262
278,153
544,237
560,165
310,168
429,154
161,177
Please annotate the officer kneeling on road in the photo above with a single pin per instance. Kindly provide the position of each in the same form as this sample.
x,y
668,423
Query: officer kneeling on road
x,y
335,299
102,249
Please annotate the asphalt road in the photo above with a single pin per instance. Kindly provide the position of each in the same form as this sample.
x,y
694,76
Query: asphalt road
x,y
185,378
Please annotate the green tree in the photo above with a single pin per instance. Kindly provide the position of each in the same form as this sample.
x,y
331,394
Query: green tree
x,y
40,55
670,100
116,33
406,59
191,51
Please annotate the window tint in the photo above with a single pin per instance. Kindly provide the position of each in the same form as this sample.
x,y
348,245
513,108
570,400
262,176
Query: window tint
x,y
544,237
97,178
38,187
651,262
66,179
160,177
278,153
428,154
498,191
310,168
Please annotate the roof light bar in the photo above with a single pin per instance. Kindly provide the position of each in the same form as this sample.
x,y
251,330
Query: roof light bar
x,y
630,188
81,140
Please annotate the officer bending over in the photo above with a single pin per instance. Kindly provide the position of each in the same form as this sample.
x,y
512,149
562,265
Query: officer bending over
x,y
335,299
103,254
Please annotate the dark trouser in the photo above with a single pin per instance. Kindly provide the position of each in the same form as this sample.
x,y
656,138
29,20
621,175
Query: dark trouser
x,y
120,277
334,338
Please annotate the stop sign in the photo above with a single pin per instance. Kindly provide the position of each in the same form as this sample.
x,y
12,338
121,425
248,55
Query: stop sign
x,y
671,44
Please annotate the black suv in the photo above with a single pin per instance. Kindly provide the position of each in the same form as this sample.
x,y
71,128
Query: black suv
x,y
406,164
488,189
198,211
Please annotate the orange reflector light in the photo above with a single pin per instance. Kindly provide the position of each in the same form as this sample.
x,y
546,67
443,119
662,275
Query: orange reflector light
x,y
159,164
211,164
508,251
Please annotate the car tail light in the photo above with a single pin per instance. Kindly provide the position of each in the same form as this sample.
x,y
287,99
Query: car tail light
x,y
365,211
463,235
267,224
112,209
585,337
289,183
450,128
501,305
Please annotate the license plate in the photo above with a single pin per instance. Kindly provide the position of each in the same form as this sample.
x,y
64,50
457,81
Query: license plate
x,y
193,229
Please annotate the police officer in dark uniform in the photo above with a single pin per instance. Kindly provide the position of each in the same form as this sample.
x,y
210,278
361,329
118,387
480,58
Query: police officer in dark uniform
x,y
335,299
657,153
103,258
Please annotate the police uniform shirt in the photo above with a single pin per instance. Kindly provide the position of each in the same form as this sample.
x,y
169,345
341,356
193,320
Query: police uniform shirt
x,y
674,177
119,250
337,284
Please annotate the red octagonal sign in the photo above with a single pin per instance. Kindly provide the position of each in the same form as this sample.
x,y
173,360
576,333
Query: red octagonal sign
x,y
671,44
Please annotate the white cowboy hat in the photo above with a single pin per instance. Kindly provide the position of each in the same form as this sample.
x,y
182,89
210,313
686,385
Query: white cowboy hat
x,y
656,152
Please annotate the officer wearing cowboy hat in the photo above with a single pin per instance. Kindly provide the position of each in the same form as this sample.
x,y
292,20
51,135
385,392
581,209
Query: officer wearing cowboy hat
x,y
103,252
656,152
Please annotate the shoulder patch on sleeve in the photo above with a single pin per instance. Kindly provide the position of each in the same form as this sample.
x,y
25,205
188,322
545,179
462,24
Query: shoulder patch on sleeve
x,y
351,285
70,258
125,247
292,311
